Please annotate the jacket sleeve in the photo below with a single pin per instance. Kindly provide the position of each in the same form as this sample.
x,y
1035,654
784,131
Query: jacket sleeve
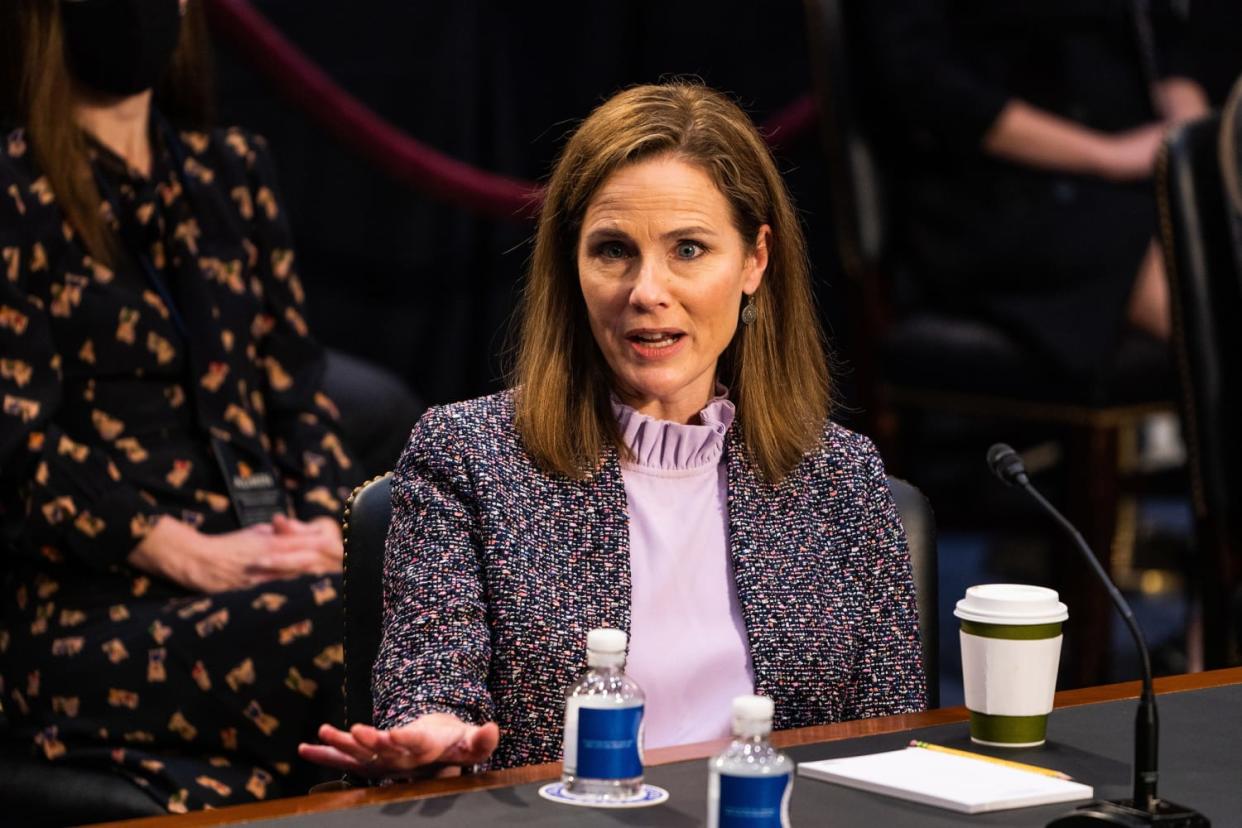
x,y
436,647
74,499
303,422
888,673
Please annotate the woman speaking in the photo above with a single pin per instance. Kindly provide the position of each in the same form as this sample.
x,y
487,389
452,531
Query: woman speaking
x,y
663,464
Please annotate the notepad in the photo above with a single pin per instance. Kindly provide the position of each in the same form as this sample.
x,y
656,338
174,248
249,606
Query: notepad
x,y
969,786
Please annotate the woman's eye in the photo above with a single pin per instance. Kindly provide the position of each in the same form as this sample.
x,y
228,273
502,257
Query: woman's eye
x,y
612,250
689,250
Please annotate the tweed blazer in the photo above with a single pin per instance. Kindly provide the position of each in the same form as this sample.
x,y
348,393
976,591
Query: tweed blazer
x,y
495,571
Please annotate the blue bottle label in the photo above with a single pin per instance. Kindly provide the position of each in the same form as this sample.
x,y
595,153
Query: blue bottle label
x,y
608,743
753,801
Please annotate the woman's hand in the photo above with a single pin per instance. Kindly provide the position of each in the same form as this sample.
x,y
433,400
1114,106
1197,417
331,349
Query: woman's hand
x,y
1131,155
435,744
1181,100
234,560
322,534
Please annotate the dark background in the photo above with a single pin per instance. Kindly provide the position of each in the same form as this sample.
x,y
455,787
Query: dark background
x,y
428,289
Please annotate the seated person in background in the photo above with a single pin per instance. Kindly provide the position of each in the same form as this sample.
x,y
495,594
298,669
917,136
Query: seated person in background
x,y
656,467
1020,138
165,613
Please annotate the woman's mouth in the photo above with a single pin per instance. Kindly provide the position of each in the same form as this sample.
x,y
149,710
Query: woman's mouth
x,y
653,344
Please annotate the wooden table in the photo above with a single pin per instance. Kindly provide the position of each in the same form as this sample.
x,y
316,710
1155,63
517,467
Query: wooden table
x,y
361,797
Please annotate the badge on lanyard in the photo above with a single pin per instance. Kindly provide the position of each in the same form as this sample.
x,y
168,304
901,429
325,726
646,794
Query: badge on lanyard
x,y
254,487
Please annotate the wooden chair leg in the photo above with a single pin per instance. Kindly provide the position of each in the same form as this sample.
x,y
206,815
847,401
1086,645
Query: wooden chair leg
x,y
1216,592
1092,490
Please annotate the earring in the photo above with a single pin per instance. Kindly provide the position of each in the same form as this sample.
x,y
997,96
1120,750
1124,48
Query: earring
x,y
750,313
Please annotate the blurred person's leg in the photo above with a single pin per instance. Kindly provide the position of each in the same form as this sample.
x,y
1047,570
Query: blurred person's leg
x,y
1149,302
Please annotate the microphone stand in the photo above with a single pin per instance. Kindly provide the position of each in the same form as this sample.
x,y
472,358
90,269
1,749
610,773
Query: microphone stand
x,y
1144,807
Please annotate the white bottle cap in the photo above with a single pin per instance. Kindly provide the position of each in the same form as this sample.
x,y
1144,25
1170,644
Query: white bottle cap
x,y
752,715
606,647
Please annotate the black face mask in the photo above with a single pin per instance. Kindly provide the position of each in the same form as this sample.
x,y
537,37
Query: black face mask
x,y
119,47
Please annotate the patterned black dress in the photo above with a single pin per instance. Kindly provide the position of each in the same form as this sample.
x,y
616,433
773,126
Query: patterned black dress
x,y
109,407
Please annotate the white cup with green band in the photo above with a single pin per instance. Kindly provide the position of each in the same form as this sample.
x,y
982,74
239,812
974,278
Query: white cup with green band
x,y
1011,645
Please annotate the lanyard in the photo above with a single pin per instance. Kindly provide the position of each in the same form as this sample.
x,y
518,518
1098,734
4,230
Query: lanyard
x,y
136,248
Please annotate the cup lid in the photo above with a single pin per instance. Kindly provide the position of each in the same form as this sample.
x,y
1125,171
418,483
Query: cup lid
x,y
1022,604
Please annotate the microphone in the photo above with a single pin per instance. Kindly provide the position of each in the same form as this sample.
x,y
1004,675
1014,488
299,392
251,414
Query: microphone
x,y
1144,807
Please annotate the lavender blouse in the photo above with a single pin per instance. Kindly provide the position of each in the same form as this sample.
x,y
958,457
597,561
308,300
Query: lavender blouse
x,y
688,646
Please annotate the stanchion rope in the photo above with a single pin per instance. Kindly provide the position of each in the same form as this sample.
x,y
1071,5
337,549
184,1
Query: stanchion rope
x,y
404,158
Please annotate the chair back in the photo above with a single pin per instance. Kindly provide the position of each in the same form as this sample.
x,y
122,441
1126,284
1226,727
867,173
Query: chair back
x,y
920,524
856,186
1206,296
364,529
366,525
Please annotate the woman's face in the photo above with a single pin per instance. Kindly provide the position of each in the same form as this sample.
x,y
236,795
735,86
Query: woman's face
x,y
663,271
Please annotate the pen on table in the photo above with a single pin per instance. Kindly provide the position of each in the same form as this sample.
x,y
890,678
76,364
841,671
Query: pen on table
x,y
968,755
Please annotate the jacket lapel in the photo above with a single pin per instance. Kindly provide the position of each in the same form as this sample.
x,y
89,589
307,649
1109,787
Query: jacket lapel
x,y
611,541
746,544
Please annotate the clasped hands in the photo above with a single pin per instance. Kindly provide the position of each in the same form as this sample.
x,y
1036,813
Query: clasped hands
x,y
435,744
284,548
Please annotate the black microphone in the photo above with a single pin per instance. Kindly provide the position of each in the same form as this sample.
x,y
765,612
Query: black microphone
x,y
1145,807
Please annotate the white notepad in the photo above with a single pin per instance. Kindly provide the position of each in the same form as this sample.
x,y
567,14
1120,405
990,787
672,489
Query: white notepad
x,y
970,786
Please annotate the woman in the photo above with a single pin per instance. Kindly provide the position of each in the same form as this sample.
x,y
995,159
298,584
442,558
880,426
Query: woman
x,y
166,614
656,467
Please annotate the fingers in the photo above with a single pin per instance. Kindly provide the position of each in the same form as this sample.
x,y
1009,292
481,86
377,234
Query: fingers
x,y
426,743
332,758
345,743
285,564
285,525
477,746
440,737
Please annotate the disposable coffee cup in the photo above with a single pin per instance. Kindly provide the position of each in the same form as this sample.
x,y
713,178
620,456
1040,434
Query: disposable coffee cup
x,y
1011,645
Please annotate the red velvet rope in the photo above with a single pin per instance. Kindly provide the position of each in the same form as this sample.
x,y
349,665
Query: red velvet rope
x,y
405,159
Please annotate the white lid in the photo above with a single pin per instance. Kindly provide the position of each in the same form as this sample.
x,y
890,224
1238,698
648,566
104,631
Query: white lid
x,y
753,708
606,640
1011,604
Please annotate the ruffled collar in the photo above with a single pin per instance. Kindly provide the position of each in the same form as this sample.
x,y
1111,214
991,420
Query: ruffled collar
x,y
666,446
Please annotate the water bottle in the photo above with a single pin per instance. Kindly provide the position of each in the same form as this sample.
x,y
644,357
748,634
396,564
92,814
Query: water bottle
x,y
603,724
750,781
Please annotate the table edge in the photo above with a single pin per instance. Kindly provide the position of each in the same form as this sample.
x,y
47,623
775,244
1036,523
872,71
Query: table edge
x,y
407,792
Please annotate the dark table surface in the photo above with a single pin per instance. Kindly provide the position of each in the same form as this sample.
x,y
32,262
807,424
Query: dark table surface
x,y
1200,763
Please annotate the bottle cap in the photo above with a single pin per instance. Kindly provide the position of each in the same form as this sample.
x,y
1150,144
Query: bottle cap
x,y
753,708
606,640
752,715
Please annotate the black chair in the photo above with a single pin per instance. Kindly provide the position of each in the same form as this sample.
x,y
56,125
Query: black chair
x,y
1206,289
366,525
377,410
934,362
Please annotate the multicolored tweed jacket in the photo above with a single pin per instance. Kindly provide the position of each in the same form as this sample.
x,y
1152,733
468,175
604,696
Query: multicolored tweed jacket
x,y
496,570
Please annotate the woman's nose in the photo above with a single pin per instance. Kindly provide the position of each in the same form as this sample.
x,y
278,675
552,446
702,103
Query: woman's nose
x,y
650,289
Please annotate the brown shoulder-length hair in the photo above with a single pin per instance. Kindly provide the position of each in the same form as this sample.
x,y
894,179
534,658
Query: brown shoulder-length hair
x,y
776,368
36,92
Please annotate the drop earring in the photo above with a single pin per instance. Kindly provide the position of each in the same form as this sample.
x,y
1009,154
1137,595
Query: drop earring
x,y
750,313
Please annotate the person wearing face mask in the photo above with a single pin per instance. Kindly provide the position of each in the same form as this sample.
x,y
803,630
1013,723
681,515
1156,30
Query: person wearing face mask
x,y
171,476
663,463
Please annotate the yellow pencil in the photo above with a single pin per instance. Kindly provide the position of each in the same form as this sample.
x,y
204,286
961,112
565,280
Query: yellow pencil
x,y
968,755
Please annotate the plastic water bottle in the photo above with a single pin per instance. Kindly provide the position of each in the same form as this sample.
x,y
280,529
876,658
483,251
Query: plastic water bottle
x,y
603,724
750,782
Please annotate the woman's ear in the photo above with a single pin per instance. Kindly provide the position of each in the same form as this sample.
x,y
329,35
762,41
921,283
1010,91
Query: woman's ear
x,y
756,261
